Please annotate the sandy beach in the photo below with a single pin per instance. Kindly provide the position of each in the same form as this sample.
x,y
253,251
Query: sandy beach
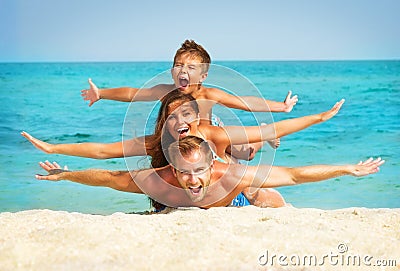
x,y
248,238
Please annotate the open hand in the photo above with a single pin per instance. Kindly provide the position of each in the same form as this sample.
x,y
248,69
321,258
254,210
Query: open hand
x,y
53,169
91,94
367,167
290,102
43,146
333,111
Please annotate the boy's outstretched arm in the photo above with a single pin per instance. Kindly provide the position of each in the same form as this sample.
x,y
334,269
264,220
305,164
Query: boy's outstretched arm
x,y
252,103
118,180
283,176
123,94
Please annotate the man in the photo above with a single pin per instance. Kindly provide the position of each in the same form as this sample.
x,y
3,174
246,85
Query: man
x,y
193,178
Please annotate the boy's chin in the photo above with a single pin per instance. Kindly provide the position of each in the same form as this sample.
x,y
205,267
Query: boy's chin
x,y
184,89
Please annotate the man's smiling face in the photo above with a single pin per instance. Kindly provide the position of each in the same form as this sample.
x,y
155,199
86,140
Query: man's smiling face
x,y
193,172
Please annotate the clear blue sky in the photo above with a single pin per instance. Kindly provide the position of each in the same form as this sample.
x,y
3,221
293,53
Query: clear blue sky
x,y
128,30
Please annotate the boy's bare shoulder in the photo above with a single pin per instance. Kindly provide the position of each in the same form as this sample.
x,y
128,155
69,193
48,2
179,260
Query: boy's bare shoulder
x,y
161,90
164,87
212,93
209,90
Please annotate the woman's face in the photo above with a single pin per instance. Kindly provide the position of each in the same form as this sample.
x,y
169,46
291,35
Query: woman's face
x,y
182,120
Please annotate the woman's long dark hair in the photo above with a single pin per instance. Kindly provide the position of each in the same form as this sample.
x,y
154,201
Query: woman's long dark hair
x,y
161,139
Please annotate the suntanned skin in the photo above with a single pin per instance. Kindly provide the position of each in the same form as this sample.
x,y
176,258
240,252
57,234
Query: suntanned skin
x,y
225,181
220,137
192,70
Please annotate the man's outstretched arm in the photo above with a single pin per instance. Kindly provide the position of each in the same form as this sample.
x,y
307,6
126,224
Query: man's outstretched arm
x,y
283,176
118,180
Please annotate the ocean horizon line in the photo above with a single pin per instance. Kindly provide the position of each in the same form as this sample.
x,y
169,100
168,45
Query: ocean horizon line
x,y
214,61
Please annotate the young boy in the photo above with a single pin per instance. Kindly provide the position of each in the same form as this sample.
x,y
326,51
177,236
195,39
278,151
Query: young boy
x,y
190,69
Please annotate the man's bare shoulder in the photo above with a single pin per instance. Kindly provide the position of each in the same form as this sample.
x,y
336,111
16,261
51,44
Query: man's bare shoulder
x,y
230,174
228,177
153,176
164,172
160,90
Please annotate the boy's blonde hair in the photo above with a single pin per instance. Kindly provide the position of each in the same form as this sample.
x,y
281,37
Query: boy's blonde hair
x,y
195,50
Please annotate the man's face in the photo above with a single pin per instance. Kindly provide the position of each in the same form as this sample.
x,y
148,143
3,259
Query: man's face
x,y
193,173
187,73
182,120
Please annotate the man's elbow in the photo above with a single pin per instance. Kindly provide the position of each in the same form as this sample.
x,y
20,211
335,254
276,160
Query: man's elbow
x,y
120,180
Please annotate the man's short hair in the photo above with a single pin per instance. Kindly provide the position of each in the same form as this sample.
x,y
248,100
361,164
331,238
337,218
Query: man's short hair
x,y
187,146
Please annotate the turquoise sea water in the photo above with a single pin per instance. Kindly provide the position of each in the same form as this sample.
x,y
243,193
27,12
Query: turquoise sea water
x,y
44,100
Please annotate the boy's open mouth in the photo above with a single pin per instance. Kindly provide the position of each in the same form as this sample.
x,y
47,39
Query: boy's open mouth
x,y
183,82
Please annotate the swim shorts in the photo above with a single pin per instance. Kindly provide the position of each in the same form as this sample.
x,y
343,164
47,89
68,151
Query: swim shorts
x,y
240,200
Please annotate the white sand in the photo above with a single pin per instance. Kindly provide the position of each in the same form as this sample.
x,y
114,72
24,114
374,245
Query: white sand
x,y
193,239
